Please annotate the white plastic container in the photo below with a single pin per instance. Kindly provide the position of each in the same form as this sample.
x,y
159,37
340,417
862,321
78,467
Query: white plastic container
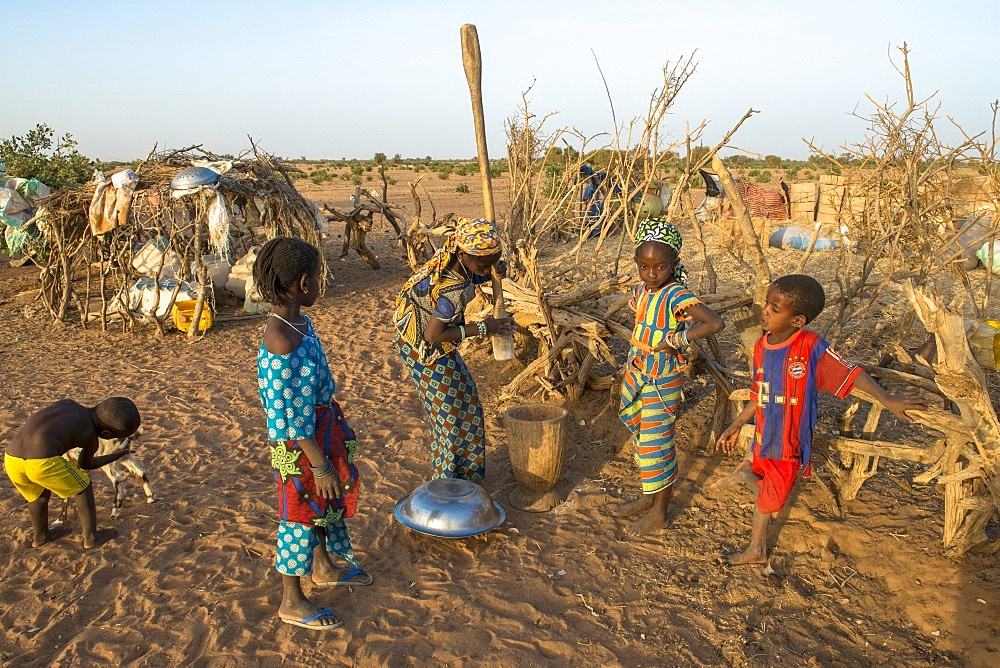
x,y
147,259
218,269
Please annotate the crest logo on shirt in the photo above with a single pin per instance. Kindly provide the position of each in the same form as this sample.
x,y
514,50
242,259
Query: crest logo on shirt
x,y
797,369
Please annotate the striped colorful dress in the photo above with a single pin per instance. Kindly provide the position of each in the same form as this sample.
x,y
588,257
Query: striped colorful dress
x,y
444,383
651,386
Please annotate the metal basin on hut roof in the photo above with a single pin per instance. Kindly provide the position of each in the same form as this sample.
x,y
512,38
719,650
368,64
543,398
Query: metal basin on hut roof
x,y
192,177
449,508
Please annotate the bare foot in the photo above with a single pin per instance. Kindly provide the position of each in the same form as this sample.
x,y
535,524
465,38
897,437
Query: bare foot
x,y
741,474
55,533
640,505
648,523
747,556
100,537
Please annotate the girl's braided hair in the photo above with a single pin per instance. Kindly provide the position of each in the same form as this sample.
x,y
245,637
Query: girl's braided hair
x,y
280,263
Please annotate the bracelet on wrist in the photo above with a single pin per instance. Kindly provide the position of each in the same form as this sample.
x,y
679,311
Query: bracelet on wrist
x,y
482,329
461,329
323,471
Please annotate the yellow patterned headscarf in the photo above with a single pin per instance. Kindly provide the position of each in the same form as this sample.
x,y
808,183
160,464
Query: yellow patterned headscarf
x,y
474,236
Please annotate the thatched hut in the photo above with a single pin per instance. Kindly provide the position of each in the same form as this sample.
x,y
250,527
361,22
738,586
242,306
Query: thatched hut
x,y
106,241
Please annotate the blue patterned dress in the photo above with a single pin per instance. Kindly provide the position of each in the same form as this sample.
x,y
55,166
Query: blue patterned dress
x,y
296,391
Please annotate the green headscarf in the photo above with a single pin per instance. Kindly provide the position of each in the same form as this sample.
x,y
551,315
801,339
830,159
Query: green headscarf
x,y
659,230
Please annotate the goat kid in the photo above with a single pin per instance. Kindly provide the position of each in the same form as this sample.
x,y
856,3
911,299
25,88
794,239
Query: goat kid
x,y
116,472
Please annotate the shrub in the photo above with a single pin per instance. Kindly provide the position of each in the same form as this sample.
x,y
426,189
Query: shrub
x,y
462,188
321,176
33,157
764,176
356,179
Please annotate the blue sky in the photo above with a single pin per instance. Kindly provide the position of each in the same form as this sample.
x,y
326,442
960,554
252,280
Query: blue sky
x,y
349,79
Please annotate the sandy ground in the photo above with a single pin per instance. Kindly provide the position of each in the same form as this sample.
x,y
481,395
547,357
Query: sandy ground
x,y
189,580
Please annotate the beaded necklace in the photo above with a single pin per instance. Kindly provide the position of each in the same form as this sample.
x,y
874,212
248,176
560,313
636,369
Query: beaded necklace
x,y
293,325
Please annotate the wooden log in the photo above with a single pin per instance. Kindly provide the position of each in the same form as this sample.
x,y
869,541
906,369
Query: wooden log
x,y
742,394
763,277
200,270
746,320
961,380
594,290
574,389
902,377
867,448
871,422
530,374
602,383
562,319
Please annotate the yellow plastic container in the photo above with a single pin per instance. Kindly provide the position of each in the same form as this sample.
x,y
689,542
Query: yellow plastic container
x,y
985,344
996,342
183,313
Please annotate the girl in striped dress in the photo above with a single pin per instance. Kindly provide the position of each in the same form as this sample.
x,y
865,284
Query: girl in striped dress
x,y
667,317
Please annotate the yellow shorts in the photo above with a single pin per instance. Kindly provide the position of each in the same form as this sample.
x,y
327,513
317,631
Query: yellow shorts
x,y
31,477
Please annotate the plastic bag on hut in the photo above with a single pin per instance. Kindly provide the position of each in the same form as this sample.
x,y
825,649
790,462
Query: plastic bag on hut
x,y
101,219
218,225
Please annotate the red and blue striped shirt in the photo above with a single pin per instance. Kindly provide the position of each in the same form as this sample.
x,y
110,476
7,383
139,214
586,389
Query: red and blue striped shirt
x,y
785,386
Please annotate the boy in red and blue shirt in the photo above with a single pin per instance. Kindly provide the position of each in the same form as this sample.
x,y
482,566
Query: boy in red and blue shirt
x,y
791,366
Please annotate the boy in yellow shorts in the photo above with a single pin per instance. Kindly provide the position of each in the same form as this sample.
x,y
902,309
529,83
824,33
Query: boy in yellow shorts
x,y
35,464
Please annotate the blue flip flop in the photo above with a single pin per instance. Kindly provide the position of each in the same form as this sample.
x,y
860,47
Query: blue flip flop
x,y
304,622
346,581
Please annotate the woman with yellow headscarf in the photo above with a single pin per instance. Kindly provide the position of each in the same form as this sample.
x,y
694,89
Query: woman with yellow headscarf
x,y
430,323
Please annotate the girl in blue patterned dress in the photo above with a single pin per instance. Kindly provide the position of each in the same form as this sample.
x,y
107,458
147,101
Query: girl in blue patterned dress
x,y
312,448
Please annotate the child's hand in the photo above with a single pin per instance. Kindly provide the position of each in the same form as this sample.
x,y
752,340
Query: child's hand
x,y
898,404
664,347
671,343
328,486
727,442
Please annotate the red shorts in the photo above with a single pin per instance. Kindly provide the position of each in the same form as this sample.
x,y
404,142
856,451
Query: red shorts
x,y
777,479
